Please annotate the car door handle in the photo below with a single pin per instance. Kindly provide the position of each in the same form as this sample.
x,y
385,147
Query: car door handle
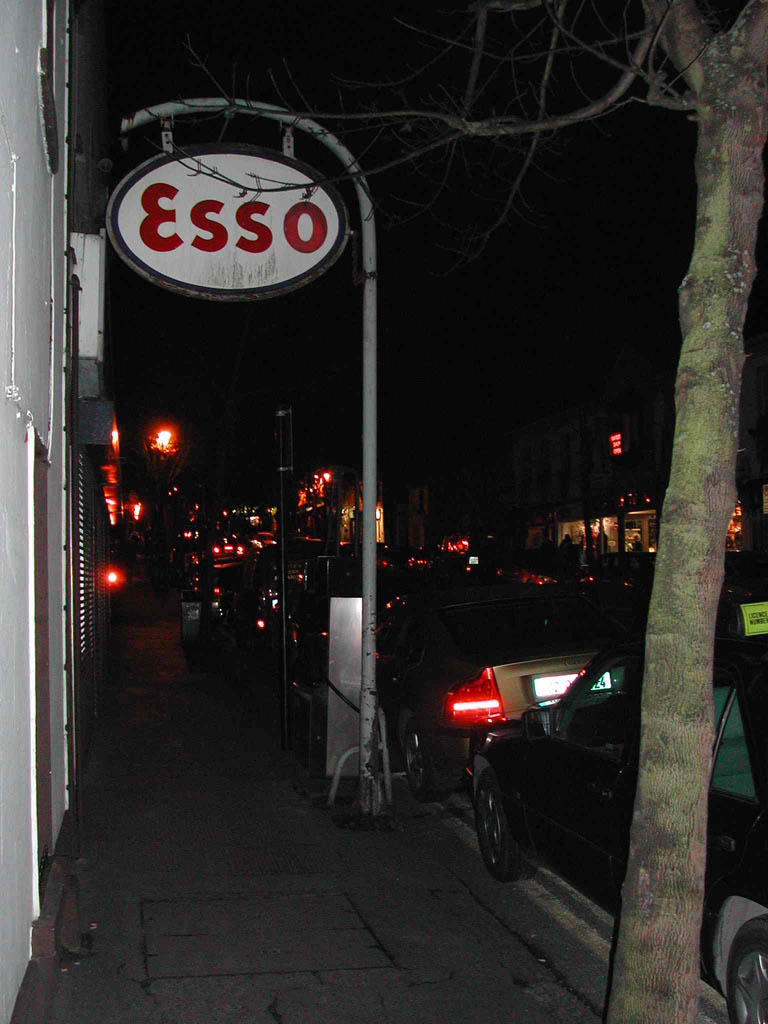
x,y
600,791
727,843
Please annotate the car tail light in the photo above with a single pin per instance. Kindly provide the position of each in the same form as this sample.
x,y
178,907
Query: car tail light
x,y
476,701
261,624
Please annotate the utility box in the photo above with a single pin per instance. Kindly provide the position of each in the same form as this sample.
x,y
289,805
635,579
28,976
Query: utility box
x,y
191,610
344,672
323,724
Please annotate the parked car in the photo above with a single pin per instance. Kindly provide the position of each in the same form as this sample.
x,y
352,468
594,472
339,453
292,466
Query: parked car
x,y
309,568
226,585
451,663
559,788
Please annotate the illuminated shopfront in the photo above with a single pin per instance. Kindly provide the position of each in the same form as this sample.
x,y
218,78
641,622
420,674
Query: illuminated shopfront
x,y
733,537
640,532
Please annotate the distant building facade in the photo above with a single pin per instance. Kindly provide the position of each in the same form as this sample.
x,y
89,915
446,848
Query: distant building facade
x,y
598,472
594,473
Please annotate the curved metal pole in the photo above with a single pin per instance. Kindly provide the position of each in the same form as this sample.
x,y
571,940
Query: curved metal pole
x,y
181,108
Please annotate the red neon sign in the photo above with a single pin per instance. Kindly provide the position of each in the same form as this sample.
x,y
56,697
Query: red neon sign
x,y
615,442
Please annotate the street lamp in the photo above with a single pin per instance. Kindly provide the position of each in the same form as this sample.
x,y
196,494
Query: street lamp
x,y
163,441
164,459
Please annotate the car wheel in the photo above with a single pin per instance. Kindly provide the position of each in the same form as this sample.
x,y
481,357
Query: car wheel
x,y
418,763
747,978
500,851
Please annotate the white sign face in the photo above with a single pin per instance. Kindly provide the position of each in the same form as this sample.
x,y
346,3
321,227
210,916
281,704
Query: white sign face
x,y
227,222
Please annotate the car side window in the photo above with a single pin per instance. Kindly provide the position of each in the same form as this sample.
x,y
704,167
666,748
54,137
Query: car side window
x,y
732,771
601,714
411,644
386,631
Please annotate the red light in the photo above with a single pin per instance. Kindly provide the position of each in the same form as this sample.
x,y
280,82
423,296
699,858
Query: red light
x,y
261,624
216,549
114,578
217,590
476,701
240,550
616,443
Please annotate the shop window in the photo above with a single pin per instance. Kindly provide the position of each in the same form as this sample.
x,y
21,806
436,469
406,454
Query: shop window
x,y
733,536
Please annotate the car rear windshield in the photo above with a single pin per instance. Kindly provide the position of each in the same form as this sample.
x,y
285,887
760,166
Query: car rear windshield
x,y
504,630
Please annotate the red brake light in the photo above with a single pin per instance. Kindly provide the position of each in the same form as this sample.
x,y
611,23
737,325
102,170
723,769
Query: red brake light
x,y
476,701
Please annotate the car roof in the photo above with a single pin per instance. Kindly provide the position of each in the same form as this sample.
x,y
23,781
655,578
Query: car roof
x,y
752,649
450,597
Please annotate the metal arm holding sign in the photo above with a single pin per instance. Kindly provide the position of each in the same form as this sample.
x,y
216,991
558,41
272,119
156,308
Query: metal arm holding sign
x,y
369,797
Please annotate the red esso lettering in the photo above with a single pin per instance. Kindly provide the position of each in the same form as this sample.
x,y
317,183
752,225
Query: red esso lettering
x,y
319,227
244,218
303,218
199,217
157,215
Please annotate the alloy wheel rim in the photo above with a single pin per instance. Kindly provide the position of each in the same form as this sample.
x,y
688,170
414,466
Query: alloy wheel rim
x,y
492,825
750,997
414,760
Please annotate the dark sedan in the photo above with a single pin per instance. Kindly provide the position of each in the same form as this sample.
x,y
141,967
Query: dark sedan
x,y
560,787
451,663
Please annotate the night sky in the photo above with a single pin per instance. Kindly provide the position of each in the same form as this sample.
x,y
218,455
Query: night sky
x,y
589,262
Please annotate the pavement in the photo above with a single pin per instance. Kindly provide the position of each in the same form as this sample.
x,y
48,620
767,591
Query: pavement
x,y
217,887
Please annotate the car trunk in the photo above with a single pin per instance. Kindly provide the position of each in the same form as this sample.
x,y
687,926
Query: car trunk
x,y
517,680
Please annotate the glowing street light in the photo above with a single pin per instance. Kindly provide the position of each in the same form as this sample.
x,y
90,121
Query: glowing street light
x,y
162,441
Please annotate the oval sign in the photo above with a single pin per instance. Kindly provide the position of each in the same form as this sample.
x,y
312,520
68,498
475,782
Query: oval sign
x,y
227,222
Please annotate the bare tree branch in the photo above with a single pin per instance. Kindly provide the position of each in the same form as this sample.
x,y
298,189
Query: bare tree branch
x,y
683,34
482,241
753,23
477,57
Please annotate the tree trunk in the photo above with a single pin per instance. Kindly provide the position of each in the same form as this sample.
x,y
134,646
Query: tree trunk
x,y
656,966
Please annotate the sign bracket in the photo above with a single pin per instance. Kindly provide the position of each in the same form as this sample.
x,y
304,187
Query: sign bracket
x,y
166,134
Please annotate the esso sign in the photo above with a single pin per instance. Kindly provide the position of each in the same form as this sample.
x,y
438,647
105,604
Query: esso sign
x,y
227,222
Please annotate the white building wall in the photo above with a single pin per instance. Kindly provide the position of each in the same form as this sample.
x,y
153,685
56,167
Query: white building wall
x,y
31,267
58,496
